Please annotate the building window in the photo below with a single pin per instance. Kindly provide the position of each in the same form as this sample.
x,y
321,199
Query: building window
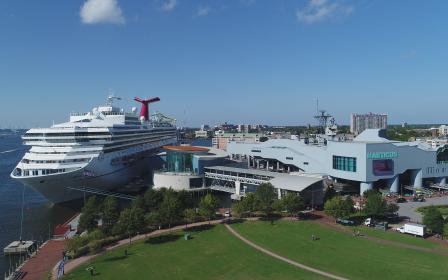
x,y
289,158
344,163
305,163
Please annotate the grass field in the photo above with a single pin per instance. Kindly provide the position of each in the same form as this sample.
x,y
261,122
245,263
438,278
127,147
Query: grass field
x,y
215,254
342,254
211,254
398,237
442,208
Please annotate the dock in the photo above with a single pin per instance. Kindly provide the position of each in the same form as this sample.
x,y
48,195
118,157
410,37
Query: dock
x,y
19,247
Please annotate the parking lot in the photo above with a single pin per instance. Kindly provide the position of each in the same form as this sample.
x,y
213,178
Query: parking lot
x,y
408,209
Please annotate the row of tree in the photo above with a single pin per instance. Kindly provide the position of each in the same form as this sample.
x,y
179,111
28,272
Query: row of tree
x,y
374,206
154,209
264,200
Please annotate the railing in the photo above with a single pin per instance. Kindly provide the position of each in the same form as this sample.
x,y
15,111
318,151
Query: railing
x,y
233,178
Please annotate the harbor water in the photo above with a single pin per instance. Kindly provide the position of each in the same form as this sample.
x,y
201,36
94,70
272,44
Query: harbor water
x,y
40,216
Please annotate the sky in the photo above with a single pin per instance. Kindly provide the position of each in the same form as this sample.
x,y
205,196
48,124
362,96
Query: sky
x,y
240,61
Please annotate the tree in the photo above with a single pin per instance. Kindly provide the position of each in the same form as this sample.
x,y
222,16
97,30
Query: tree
x,y
292,203
185,199
208,206
153,199
132,221
249,203
392,208
170,208
153,219
89,215
370,192
445,231
139,202
110,213
329,193
337,207
238,209
189,216
265,195
433,220
375,205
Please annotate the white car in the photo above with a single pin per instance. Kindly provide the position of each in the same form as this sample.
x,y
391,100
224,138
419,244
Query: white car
x,y
227,214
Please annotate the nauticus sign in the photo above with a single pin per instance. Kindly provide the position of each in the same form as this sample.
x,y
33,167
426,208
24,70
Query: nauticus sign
x,y
382,155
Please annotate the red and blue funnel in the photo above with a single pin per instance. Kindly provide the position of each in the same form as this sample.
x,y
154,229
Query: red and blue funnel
x,y
144,111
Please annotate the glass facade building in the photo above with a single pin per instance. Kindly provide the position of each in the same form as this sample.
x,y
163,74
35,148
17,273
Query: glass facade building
x,y
179,162
344,163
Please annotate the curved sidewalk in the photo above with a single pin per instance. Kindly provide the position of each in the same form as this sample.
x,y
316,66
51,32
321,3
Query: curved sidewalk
x,y
284,259
69,266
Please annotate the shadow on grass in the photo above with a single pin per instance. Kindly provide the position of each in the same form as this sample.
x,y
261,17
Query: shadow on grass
x,y
235,221
161,239
197,229
116,258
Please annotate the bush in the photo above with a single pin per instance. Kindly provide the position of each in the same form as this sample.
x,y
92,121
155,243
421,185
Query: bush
x,y
95,246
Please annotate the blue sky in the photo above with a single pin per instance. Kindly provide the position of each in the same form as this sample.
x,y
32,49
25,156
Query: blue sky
x,y
243,61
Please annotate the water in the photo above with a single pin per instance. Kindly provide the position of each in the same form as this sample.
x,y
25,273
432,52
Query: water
x,y
39,213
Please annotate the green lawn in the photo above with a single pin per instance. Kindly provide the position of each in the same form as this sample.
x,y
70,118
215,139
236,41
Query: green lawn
x,y
398,237
342,254
211,254
442,208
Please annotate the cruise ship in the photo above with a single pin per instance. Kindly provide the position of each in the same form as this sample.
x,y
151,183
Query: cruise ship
x,y
104,149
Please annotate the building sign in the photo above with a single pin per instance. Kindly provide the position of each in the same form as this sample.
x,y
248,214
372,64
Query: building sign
x,y
382,155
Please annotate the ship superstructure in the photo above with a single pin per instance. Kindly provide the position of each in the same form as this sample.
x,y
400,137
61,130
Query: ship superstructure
x,y
105,148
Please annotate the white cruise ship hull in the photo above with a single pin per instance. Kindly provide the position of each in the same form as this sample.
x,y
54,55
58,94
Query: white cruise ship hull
x,y
101,173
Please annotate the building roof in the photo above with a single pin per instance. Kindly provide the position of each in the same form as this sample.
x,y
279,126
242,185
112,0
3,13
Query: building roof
x,y
371,135
186,148
296,182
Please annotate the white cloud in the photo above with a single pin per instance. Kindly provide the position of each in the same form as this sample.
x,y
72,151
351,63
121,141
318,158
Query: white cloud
x,y
168,5
203,11
101,11
321,10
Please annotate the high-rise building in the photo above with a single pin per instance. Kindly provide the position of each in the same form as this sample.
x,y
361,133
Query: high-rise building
x,y
361,122
443,130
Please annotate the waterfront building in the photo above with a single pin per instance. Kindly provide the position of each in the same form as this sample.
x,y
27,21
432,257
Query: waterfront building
x,y
369,161
361,122
184,166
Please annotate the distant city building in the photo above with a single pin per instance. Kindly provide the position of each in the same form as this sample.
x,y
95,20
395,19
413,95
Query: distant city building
x,y
443,130
361,122
221,138
201,133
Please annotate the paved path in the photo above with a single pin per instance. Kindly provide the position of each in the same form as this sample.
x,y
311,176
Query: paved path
x,y
408,209
39,265
69,266
284,259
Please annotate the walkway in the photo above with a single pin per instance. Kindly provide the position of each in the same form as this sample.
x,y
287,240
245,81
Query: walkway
x,y
289,261
38,266
69,266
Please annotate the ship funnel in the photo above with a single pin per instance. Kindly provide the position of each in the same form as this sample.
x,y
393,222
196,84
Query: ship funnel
x,y
144,111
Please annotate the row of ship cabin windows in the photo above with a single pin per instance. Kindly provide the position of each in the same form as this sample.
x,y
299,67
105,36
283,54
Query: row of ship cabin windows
x,y
42,172
56,161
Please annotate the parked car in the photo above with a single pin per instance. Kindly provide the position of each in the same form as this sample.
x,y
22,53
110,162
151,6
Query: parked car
x,y
400,200
227,214
345,222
